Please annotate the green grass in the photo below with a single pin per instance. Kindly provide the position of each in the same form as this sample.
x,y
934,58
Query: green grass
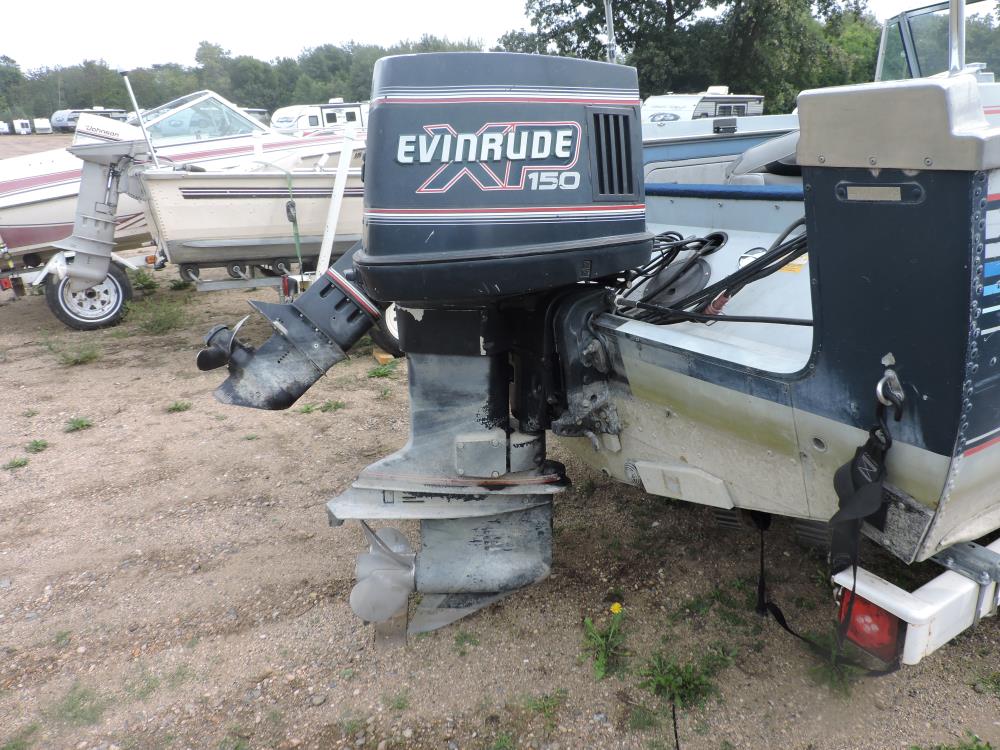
x,y
62,638
504,741
156,316
179,285
971,742
250,437
307,408
606,645
685,685
36,446
75,424
990,683
547,705
178,406
144,280
836,676
329,406
16,463
178,676
351,725
80,706
29,413
143,685
346,674
642,719
397,701
383,371
463,639
384,394
81,355
21,740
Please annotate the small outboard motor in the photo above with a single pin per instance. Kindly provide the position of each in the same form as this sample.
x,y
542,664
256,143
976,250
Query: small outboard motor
x,y
498,189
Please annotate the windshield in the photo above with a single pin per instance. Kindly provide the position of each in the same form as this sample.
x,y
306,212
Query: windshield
x,y
916,43
206,119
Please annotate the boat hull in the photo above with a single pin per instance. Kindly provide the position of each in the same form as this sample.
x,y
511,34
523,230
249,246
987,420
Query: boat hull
x,y
214,218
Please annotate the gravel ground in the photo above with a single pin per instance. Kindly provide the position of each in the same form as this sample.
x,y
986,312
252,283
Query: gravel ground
x,y
168,580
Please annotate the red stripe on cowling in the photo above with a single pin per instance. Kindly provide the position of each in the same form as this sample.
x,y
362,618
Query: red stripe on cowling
x,y
504,100
532,209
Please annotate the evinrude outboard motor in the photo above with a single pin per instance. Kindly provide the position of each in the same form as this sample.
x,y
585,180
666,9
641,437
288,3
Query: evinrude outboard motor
x,y
498,189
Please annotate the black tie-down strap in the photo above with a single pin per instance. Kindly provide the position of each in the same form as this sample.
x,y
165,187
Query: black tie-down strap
x,y
858,485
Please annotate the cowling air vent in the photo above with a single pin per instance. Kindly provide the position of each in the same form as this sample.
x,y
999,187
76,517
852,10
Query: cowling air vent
x,y
612,154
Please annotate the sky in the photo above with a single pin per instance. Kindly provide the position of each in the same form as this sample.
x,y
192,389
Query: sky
x,y
137,35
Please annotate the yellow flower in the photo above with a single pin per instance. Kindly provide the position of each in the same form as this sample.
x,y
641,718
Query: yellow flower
x,y
616,608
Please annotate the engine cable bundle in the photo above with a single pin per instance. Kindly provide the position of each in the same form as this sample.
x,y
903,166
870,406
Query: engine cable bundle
x,y
705,305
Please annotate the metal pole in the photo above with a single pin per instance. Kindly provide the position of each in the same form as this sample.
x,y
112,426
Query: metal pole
x,y
142,125
956,37
610,24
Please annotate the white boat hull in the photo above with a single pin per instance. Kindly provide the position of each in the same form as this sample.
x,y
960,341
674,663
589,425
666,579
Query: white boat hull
x,y
213,218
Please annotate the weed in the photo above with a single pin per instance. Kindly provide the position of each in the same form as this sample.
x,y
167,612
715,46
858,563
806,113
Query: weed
x,y
307,409
143,686
346,674
180,674
21,740
504,741
606,645
586,487
685,685
233,741
990,683
81,705
329,406
464,638
75,424
16,463
641,719
547,705
82,355
36,446
971,742
383,371
144,281
350,725
178,406
156,316
397,702
251,436
833,672
29,413
62,638
179,285
384,394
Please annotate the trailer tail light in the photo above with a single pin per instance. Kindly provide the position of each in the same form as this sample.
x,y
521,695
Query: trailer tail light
x,y
872,628
6,284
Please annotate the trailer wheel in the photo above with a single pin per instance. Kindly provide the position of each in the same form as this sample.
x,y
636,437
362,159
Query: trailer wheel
x,y
385,333
189,272
101,306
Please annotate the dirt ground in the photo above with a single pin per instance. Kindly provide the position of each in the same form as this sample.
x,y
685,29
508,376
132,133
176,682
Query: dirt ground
x,y
168,580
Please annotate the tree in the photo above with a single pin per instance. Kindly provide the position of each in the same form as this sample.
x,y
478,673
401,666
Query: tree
x,y
213,71
11,88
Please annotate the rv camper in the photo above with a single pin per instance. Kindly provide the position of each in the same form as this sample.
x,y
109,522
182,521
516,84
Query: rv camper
x,y
64,120
302,118
22,127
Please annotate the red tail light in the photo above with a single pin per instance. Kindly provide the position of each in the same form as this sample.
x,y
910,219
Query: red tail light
x,y
872,628
5,284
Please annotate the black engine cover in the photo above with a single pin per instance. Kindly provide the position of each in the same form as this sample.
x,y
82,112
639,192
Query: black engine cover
x,y
491,175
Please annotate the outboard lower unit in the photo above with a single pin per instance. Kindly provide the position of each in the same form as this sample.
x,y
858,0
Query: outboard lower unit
x,y
501,192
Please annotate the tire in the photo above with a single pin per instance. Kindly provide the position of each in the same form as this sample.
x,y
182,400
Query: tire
x,y
189,272
101,306
385,333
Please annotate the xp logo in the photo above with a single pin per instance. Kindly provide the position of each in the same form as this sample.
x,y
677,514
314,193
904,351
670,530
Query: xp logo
x,y
498,156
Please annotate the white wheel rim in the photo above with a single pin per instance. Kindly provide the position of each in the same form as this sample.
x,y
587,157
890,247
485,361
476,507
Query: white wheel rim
x,y
96,303
389,315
